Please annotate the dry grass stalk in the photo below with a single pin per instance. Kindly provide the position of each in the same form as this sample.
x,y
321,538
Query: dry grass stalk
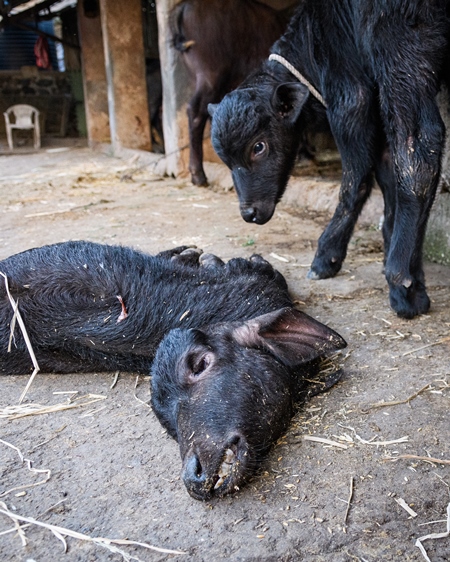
x,y
403,439
138,399
418,458
350,496
116,378
25,337
59,211
278,257
19,528
401,502
433,536
47,213
55,434
20,532
325,441
405,401
61,532
30,468
23,410
13,326
442,340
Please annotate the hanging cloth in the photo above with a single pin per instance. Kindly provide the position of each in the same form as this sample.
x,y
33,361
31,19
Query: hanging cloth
x,y
41,52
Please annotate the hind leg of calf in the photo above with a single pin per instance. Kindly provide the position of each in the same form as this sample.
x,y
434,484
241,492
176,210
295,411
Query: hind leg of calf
x,y
415,195
189,257
267,268
256,265
407,292
409,302
416,135
169,254
211,261
404,269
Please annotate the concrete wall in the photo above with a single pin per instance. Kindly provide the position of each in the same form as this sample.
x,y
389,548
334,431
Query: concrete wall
x,y
48,91
437,241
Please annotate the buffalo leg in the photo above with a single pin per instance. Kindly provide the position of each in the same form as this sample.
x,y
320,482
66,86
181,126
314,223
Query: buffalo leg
x,y
416,136
357,180
198,116
385,176
417,179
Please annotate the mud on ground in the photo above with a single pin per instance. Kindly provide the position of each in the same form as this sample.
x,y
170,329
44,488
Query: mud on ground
x,y
115,472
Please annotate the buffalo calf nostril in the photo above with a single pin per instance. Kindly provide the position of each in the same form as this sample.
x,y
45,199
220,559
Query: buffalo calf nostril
x,y
249,214
198,469
193,470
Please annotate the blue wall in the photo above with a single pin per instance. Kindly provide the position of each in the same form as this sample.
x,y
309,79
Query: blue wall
x,y
17,47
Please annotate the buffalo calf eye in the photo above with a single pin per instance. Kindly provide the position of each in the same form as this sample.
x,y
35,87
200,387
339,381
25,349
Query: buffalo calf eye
x,y
259,148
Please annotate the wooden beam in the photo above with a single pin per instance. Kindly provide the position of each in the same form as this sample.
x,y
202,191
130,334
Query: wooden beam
x,y
45,34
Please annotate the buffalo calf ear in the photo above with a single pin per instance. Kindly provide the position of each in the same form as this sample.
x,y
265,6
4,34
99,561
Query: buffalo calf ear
x,y
288,100
292,336
212,108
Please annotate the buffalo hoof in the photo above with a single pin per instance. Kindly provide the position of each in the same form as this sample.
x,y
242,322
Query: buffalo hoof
x,y
190,256
324,267
199,179
259,260
409,302
211,261
312,275
169,254
264,266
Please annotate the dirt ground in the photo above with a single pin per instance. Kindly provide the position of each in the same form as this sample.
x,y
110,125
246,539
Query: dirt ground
x,y
115,472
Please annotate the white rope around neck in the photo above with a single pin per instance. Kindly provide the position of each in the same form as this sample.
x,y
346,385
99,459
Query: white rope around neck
x,y
299,76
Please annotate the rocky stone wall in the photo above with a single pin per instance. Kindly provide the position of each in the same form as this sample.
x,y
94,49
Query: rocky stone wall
x,y
48,91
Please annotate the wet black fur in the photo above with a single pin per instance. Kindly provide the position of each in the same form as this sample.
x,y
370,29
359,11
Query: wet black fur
x,y
67,296
379,65
228,352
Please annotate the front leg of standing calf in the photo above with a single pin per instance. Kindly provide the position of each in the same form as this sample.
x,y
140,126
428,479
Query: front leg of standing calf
x,y
332,245
354,130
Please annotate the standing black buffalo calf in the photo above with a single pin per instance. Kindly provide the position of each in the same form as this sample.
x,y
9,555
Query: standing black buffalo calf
x,y
230,352
221,42
372,68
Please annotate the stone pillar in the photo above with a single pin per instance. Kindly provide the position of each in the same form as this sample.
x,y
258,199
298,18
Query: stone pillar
x,y
125,70
94,78
176,93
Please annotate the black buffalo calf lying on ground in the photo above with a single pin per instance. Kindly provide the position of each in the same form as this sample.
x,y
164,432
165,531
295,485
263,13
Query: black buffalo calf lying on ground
x,y
373,69
228,353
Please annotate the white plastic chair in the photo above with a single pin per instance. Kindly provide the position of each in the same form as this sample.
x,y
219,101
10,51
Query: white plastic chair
x,y
26,117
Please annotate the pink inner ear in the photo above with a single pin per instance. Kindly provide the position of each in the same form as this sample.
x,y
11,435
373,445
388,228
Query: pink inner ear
x,y
291,335
247,334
